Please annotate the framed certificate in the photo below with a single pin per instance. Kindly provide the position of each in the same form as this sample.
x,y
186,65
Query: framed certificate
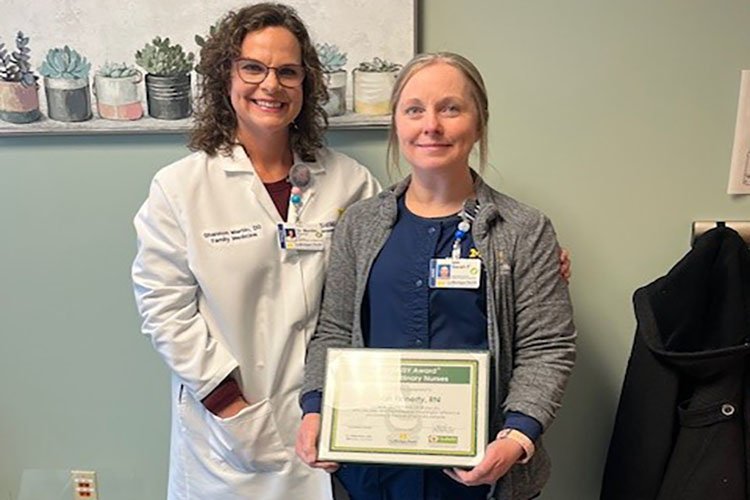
x,y
411,407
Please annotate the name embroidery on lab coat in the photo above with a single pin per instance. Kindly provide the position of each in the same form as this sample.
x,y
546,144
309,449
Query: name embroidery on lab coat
x,y
223,237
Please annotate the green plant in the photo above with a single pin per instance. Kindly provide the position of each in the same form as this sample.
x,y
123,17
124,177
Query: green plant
x,y
200,41
161,58
65,63
117,70
331,57
15,67
378,65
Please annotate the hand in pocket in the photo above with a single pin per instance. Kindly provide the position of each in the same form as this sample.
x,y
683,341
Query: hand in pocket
x,y
249,441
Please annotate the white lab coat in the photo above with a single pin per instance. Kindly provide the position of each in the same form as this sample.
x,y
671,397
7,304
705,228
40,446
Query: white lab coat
x,y
218,296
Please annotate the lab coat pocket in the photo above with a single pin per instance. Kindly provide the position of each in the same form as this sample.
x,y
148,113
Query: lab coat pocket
x,y
250,440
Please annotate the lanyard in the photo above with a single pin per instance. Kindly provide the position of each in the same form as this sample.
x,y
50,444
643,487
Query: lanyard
x,y
468,213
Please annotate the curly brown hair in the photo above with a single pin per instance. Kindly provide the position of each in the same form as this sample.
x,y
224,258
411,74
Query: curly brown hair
x,y
215,120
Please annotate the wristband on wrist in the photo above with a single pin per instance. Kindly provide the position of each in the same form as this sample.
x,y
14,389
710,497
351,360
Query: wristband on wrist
x,y
522,440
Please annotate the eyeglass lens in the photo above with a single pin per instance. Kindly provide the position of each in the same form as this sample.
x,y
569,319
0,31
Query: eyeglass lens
x,y
251,71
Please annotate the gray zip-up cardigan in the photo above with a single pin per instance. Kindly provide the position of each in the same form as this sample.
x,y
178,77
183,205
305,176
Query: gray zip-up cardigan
x,y
530,328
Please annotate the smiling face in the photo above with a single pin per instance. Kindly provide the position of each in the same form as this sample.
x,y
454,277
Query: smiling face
x,y
266,108
436,119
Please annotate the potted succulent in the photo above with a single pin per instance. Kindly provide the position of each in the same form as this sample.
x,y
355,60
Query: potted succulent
x,y
373,82
201,42
116,91
66,84
168,70
19,90
333,61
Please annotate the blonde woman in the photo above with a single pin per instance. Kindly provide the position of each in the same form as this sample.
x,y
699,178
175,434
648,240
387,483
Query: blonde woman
x,y
377,292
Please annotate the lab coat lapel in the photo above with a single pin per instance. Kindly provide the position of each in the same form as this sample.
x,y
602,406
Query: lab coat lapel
x,y
316,170
239,165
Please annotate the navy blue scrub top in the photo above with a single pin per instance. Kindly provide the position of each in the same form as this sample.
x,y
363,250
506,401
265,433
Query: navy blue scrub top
x,y
401,311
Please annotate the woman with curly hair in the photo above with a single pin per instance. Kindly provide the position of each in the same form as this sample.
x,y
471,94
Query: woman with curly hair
x,y
232,248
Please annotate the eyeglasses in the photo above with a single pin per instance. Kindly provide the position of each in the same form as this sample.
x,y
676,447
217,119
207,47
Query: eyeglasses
x,y
252,71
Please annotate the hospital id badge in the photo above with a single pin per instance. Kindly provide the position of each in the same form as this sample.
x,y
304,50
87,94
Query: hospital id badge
x,y
455,273
303,237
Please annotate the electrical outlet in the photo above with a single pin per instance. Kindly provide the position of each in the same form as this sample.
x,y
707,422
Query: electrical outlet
x,y
84,485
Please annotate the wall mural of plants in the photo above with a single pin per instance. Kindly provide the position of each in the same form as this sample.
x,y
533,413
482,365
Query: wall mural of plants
x,y
333,61
116,91
115,86
19,90
64,77
66,84
373,82
168,70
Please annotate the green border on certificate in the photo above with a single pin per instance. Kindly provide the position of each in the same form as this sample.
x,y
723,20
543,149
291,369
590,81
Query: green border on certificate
x,y
408,406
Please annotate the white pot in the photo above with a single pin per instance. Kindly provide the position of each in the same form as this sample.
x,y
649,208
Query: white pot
x,y
336,85
372,91
117,98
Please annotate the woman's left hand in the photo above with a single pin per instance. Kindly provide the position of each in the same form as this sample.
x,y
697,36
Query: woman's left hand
x,y
499,457
306,445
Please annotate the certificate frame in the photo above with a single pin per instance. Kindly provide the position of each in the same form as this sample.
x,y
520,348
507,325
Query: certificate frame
x,y
412,407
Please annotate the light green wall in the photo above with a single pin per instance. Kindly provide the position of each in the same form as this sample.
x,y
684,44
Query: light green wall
x,y
616,118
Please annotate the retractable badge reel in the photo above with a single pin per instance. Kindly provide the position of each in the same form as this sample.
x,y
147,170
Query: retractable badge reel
x,y
458,272
294,235
300,178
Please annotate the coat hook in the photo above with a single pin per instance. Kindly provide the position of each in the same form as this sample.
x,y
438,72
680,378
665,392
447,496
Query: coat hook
x,y
701,226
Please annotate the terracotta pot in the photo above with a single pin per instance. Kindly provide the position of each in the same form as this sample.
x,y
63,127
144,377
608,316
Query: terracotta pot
x,y
19,103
